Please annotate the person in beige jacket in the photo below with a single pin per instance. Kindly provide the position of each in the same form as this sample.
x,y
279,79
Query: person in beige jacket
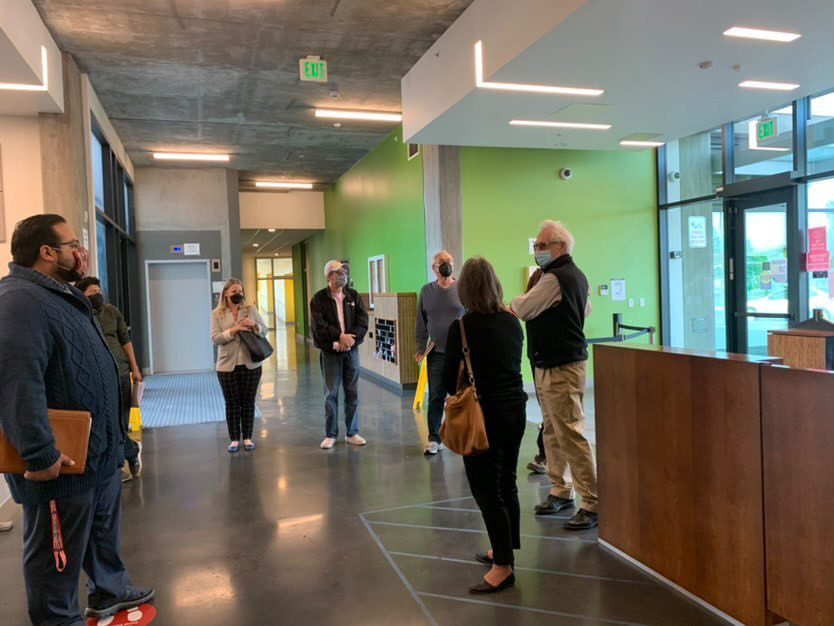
x,y
238,374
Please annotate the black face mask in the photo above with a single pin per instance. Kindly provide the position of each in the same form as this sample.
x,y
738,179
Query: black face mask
x,y
97,300
236,298
445,270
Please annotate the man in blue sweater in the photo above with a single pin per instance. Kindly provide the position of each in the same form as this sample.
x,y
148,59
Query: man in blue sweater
x,y
53,355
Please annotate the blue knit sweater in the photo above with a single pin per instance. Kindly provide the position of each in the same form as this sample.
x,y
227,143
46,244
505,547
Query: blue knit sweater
x,y
53,355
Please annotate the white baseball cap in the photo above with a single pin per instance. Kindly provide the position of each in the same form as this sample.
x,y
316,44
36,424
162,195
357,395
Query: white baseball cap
x,y
332,266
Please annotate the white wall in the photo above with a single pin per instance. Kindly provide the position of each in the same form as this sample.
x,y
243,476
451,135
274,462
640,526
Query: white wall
x,y
184,199
20,152
288,211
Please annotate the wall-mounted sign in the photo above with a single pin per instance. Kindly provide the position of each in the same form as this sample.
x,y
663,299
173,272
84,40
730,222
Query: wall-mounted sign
x,y
697,231
818,261
312,69
176,249
817,239
215,265
618,290
191,249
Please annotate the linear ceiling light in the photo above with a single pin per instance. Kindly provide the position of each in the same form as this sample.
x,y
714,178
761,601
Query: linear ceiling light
x,y
576,125
483,84
641,144
268,184
44,71
761,34
763,84
186,156
371,116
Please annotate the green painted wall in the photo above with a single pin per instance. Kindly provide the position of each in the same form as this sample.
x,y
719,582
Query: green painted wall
x,y
609,205
376,208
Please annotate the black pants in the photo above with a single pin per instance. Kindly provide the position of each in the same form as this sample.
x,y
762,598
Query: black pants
x,y
437,393
540,443
90,526
492,479
126,393
240,387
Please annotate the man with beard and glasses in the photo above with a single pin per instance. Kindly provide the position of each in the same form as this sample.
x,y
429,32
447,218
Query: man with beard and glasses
x,y
54,356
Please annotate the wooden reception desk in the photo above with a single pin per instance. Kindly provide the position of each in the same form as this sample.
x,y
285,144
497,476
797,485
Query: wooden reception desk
x,y
716,472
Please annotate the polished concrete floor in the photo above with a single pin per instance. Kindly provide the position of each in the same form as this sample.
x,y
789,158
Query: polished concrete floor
x,y
290,534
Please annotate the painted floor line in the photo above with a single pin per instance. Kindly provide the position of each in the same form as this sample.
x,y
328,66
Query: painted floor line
x,y
479,532
596,620
411,506
521,569
399,572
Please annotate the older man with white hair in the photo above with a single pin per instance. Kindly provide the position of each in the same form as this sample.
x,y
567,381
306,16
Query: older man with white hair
x,y
555,309
339,324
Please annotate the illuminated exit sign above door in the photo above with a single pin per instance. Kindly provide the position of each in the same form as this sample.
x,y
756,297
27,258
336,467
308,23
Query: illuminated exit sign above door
x,y
312,69
766,129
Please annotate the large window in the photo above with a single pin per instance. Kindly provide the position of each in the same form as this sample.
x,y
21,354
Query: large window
x,y
764,144
821,220
821,134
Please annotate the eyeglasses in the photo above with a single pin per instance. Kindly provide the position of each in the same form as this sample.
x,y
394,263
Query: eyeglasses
x,y
74,245
541,245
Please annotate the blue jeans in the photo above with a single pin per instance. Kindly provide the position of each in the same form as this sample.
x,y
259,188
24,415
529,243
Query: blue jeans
x,y
90,526
341,369
437,393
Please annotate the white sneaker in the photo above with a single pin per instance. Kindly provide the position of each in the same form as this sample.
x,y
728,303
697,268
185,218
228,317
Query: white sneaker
x,y
327,443
432,448
355,440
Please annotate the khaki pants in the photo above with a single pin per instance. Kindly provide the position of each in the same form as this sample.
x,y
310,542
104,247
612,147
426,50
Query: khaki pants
x,y
561,391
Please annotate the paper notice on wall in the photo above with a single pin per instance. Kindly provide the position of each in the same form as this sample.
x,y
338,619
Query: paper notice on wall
x,y
618,290
697,231
817,239
191,249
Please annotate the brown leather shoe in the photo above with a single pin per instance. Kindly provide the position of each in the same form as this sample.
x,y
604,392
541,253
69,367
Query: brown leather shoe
x,y
583,520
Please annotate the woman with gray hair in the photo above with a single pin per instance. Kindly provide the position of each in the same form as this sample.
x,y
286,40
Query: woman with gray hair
x,y
495,340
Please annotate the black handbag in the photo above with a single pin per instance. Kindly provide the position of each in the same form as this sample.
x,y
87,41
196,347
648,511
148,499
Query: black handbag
x,y
259,347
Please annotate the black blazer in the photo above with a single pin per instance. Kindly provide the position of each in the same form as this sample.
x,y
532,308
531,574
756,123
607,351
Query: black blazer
x,y
325,319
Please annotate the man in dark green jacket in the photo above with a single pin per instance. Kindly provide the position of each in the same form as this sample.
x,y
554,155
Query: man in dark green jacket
x,y
116,333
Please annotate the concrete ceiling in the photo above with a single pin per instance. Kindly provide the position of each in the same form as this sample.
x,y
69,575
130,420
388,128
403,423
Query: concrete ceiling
x,y
222,75
645,54
268,244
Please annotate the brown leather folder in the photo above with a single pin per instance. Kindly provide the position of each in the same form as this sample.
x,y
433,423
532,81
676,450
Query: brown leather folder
x,y
72,437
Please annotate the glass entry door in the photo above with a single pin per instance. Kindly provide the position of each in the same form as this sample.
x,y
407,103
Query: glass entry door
x,y
759,268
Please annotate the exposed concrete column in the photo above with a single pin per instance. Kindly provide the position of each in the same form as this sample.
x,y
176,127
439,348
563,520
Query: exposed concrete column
x,y
235,248
63,156
442,203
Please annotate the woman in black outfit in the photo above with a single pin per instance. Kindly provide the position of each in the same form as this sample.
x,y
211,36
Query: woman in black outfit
x,y
495,343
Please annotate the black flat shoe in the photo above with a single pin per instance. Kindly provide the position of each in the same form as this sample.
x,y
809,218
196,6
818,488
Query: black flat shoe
x,y
483,557
485,587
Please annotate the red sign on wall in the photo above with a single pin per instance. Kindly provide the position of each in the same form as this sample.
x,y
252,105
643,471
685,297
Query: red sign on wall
x,y
817,239
819,261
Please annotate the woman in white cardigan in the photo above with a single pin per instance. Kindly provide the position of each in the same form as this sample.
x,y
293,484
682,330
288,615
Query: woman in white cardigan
x,y
238,374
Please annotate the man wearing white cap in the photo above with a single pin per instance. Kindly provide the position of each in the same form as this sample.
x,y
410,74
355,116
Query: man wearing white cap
x,y
339,324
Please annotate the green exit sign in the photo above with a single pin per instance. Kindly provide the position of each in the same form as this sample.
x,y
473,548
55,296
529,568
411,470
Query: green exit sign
x,y
766,129
312,69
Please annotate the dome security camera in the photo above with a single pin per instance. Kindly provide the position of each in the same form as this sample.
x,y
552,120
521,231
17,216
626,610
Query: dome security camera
x,y
566,173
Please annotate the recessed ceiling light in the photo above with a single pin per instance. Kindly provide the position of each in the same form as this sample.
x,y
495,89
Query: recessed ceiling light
x,y
187,156
641,144
255,245
269,184
484,84
763,84
44,86
761,34
371,116
271,230
576,125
